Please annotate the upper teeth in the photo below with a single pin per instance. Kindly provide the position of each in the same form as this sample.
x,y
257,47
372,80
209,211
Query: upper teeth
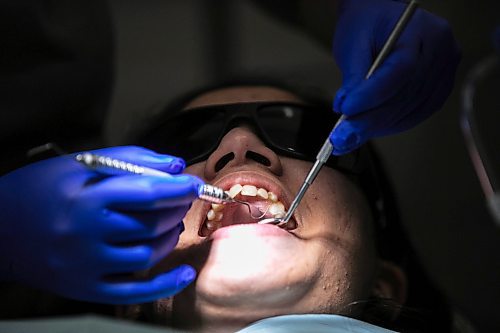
x,y
235,190
276,208
263,193
251,191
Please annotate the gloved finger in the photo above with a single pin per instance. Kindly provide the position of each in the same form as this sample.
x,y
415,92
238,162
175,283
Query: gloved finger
x,y
356,44
143,192
397,116
442,57
433,101
161,286
387,81
129,226
393,117
144,157
354,56
355,130
347,137
141,255
121,259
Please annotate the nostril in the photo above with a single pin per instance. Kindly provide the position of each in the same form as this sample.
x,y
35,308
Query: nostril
x,y
221,163
258,158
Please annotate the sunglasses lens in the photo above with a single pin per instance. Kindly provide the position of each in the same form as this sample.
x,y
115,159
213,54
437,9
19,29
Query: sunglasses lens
x,y
300,130
293,130
190,135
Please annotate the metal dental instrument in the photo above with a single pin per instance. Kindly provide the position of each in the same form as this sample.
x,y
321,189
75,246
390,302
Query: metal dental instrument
x,y
327,148
112,166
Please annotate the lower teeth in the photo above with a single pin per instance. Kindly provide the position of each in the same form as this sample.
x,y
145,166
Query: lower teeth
x,y
276,209
212,225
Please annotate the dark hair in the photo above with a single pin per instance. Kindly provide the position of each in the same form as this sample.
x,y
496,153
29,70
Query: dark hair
x,y
426,309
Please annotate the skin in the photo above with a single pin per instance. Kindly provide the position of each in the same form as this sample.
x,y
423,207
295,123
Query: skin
x,y
248,273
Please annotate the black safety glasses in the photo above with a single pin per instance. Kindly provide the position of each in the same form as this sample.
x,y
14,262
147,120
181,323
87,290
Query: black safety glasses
x,y
289,129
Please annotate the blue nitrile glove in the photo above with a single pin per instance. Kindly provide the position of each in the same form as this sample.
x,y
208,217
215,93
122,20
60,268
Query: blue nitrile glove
x,y
411,84
67,230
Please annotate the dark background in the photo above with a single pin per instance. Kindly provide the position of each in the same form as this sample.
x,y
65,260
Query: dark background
x,y
149,51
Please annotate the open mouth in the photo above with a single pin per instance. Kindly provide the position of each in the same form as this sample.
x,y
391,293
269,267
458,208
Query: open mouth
x,y
265,200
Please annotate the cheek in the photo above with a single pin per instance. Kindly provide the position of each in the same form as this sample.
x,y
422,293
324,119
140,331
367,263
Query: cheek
x,y
333,206
347,277
190,227
337,219
346,218
191,220
196,169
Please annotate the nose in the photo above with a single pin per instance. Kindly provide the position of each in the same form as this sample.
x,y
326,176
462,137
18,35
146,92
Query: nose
x,y
240,146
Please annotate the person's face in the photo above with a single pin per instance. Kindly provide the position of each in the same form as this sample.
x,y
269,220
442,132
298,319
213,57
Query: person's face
x,y
248,271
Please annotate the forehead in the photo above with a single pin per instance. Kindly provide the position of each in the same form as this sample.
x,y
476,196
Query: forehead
x,y
243,94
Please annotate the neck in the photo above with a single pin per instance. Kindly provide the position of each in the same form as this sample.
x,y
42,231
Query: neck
x,y
185,312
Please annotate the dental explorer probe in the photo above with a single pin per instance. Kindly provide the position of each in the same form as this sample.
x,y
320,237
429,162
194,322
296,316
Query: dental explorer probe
x,y
112,166
327,148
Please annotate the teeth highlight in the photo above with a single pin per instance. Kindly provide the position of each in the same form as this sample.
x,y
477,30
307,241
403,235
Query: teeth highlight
x,y
212,226
219,216
235,190
249,190
276,207
262,193
214,216
211,215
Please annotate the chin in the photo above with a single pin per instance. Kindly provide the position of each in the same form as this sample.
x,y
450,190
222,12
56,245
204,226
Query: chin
x,y
253,272
251,265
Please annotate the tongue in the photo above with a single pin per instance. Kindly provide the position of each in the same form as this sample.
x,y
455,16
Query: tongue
x,y
240,214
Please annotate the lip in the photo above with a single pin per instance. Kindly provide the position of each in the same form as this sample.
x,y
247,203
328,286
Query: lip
x,y
256,178
261,230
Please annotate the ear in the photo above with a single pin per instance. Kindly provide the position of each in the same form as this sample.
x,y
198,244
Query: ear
x,y
391,283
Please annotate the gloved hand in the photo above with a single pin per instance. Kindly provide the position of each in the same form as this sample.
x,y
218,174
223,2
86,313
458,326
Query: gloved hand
x,y
411,84
68,230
